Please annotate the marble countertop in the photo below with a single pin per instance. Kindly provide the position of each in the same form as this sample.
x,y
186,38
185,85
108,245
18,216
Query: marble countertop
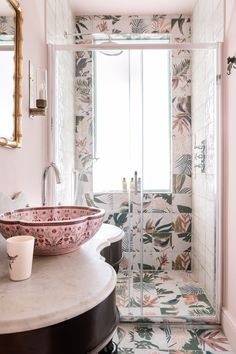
x,y
61,287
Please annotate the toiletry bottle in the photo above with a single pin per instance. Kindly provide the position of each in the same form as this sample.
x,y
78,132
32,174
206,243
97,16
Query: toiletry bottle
x,y
136,182
139,184
132,186
124,185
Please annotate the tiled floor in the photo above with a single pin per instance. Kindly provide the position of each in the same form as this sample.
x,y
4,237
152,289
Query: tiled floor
x,y
138,339
165,295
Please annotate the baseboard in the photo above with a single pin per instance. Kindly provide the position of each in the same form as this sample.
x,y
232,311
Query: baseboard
x,y
229,327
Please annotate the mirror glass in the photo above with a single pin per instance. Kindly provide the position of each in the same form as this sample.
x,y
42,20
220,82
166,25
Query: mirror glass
x,y
10,56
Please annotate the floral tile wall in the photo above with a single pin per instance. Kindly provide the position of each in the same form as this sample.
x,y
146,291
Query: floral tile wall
x,y
163,237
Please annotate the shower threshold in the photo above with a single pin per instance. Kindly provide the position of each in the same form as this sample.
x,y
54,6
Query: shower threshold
x,y
162,296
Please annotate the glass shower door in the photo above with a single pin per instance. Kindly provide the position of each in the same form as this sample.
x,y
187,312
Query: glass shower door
x,y
128,122
117,170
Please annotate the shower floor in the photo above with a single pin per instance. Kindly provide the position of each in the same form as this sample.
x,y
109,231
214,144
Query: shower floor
x,y
165,295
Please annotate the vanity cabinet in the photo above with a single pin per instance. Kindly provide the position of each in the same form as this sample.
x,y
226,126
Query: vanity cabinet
x,y
113,254
68,306
87,333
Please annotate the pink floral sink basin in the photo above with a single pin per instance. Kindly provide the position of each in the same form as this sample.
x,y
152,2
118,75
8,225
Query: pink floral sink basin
x,y
57,230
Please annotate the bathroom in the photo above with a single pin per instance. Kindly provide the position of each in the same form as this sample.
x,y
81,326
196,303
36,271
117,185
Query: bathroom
x,y
181,231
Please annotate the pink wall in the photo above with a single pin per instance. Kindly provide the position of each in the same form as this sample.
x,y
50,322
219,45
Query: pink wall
x,y
229,234
21,169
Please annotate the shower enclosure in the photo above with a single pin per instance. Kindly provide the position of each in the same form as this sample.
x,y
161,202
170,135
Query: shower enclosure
x,y
135,130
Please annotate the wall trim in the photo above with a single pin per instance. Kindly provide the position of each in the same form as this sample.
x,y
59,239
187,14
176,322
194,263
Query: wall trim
x,y
229,327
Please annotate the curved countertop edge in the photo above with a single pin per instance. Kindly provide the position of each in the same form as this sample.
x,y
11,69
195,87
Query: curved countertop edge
x,y
79,294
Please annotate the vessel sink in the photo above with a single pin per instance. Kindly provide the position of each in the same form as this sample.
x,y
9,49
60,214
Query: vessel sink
x,y
57,230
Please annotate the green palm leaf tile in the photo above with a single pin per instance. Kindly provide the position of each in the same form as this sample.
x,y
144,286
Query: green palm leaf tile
x,y
145,332
178,182
193,343
186,236
180,22
125,351
138,25
182,68
144,344
184,164
184,209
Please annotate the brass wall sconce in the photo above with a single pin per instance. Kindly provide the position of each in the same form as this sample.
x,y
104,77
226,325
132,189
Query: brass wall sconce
x,y
37,91
231,61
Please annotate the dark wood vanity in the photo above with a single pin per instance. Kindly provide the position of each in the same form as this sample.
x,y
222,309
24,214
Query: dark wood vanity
x,y
88,333
68,306
113,254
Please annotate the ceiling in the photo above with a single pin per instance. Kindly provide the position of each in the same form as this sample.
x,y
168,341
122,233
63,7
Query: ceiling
x,y
6,9
132,7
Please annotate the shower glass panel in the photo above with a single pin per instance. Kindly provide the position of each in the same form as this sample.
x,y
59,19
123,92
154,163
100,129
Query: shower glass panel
x,y
149,116
131,141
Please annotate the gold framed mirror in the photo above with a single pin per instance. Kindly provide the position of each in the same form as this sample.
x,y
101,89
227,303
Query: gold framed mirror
x,y
10,73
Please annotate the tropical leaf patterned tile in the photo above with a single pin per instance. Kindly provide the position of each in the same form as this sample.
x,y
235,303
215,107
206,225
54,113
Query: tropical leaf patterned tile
x,y
102,24
182,184
153,339
163,260
182,261
183,165
121,25
121,202
182,222
157,223
181,77
161,293
125,350
182,203
162,241
182,145
198,305
145,338
103,200
140,25
84,24
180,339
84,90
181,242
161,24
191,289
119,219
83,63
181,28
128,261
153,203
148,351
124,336
213,340
161,203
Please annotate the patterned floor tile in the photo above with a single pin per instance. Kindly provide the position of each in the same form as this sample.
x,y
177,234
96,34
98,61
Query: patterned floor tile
x,y
125,350
148,351
124,336
153,339
213,339
149,338
161,293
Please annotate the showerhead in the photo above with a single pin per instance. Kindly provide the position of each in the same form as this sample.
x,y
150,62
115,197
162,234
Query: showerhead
x,y
111,53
